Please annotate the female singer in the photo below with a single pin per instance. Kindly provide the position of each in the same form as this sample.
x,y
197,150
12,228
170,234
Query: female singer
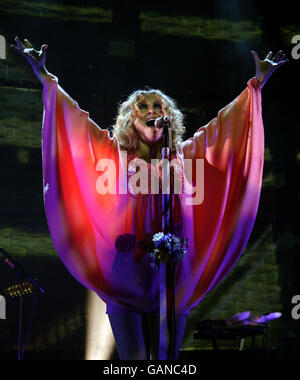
x,y
96,232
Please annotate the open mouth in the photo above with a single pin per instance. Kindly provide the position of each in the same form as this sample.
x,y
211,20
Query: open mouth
x,y
150,122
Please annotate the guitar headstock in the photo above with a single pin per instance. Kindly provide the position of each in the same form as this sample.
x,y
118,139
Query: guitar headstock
x,y
17,290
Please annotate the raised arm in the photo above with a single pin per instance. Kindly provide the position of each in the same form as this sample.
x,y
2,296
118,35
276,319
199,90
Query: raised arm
x,y
231,121
264,69
36,58
37,61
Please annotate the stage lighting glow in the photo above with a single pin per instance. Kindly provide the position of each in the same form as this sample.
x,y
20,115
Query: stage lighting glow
x,y
209,29
100,341
58,11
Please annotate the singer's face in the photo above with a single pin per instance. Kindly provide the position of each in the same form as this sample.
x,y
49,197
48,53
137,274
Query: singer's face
x,y
147,109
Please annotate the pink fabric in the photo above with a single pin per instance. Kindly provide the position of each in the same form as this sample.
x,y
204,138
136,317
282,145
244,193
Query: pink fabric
x,y
85,224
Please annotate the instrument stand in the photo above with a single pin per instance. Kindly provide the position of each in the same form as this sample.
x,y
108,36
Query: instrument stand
x,y
22,275
167,224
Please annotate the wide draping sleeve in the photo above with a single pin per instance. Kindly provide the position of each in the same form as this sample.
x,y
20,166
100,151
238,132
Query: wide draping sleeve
x,y
232,147
83,223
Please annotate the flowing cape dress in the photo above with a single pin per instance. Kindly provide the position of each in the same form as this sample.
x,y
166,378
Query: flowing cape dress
x,y
84,224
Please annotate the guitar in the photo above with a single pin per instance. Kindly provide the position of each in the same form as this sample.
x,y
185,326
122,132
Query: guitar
x,y
17,290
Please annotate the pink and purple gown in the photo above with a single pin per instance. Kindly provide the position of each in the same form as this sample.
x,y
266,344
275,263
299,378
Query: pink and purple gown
x,y
84,224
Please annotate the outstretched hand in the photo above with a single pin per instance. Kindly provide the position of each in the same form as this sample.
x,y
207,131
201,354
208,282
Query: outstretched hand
x,y
265,68
36,58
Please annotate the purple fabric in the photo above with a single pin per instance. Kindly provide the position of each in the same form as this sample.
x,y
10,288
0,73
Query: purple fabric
x,y
85,225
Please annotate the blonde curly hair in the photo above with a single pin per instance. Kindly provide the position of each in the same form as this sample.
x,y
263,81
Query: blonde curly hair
x,y
124,129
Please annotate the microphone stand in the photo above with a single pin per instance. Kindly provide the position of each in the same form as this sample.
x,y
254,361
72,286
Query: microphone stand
x,y
168,227
21,275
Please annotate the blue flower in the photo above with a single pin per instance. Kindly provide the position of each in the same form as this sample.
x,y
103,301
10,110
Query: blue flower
x,y
163,245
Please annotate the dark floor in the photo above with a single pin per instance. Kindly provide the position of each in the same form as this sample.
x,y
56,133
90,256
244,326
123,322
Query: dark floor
x,y
192,356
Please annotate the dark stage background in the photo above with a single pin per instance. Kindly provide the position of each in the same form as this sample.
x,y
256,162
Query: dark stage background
x,y
101,51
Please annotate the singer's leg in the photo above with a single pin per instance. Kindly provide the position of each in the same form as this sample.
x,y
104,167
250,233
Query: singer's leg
x,y
153,322
128,332
180,329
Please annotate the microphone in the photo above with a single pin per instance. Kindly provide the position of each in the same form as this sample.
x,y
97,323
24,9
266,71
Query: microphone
x,y
161,122
164,121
